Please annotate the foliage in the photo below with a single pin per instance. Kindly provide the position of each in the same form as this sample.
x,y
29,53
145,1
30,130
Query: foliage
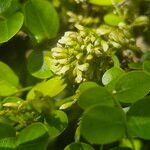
x,y
74,74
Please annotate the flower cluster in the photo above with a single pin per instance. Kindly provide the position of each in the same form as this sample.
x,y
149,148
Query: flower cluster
x,y
86,54
80,1
77,53
118,37
82,20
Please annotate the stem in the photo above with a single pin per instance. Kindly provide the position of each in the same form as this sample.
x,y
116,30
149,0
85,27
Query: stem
x,y
77,134
24,89
125,122
101,147
117,8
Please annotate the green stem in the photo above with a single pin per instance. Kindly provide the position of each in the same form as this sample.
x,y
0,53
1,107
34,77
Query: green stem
x,y
24,89
101,147
125,122
77,134
117,8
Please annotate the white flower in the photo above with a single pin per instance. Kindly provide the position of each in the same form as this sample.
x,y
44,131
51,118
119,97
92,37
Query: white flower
x,y
83,67
85,54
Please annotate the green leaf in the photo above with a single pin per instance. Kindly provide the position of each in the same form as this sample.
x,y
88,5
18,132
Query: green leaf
x,y
56,123
136,65
8,143
32,133
14,7
12,100
93,96
4,5
41,19
102,124
7,74
132,86
104,2
111,76
10,26
66,102
112,19
43,105
146,56
38,65
8,80
33,137
141,21
138,144
67,105
7,88
139,118
146,66
51,87
78,146
6,131
38,144
86,85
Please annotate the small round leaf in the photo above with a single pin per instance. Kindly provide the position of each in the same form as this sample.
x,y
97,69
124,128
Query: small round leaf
x,y
41,19
139,118
37,65
10,26
31,133
132,86
102,124
112,19
95,96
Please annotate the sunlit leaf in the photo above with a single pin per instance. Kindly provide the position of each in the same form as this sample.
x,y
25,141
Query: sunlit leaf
x,y
8,80
104,2
112,19
41,19
51,88
10,26
111,76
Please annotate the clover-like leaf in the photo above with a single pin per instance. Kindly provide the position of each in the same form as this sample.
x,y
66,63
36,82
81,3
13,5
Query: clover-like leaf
x,y
50,88
10,26
8,80
132,86
41,19
139,118
102,124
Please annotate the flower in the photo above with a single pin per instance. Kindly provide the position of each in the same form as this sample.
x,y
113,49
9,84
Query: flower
x,y
87,53
80,1
85,20
76,53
